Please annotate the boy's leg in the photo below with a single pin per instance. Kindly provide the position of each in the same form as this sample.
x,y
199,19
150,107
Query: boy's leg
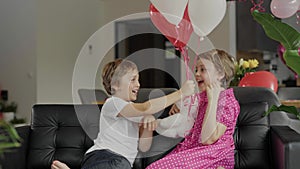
x,y
100,159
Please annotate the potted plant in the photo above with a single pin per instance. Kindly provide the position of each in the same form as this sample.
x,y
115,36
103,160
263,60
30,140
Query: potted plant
x,y
290,39
9,137
8,110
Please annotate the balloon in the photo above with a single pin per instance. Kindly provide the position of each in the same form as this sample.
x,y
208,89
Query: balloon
x,y
284,8
280,51
172,10
205,15
178,35
260,79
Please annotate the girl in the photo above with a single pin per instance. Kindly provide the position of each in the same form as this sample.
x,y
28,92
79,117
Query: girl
x,y
209,142
118,138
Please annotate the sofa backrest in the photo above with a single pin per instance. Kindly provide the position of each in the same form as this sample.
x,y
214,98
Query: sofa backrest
x,y
252,133
65,132
61,132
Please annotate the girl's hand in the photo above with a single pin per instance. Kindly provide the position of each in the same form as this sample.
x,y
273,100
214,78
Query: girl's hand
x,y
149,122
174,110
213,91
188,88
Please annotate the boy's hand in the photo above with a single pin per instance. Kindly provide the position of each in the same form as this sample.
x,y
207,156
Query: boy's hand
x,y
149,122
188,88
174,110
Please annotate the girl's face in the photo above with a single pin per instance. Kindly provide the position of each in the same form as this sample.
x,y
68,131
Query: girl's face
x,y
206,74
128,86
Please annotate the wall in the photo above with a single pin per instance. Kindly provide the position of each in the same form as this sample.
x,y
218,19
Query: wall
x,y
18,53
40,41
63,28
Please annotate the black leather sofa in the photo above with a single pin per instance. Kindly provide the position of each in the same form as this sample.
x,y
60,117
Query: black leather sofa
x,y
58,132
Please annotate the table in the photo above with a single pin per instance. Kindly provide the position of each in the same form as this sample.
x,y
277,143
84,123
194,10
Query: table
x,y
295,103
98,102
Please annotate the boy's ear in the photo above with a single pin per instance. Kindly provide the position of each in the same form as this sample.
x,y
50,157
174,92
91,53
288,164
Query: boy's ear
x,y
113,87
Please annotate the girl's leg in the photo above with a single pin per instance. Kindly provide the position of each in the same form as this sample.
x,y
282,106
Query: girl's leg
x,y
220,167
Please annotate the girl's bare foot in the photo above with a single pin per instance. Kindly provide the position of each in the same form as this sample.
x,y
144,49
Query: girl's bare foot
x,y
59,165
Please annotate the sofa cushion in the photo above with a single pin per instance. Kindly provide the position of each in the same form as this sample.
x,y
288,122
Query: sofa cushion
x,y
57,133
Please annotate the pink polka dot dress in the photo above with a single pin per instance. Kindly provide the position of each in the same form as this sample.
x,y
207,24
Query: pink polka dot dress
x,y
190,154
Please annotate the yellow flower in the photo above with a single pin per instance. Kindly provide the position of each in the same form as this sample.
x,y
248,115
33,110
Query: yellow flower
x,y
253,63
245,64
241,62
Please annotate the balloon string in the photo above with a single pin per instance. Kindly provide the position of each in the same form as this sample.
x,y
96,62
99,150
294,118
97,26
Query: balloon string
x,y
186,59
298,17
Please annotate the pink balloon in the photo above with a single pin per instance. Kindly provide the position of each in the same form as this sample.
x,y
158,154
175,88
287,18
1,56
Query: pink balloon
x,y
284,8
260,79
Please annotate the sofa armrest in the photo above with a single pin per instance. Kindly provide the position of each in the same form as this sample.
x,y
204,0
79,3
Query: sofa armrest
x,y
19,153
285,147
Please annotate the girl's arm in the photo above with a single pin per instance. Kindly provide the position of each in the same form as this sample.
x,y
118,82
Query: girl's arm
x,y
147,127
155,105
211,129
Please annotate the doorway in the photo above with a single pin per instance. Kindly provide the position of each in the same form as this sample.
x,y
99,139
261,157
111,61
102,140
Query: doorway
x,y
158,61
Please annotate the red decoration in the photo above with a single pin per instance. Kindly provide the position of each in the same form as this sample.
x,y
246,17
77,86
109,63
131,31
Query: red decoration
x,y
178,35
260,79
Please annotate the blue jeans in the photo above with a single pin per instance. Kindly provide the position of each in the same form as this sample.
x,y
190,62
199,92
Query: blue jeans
x,y
104,159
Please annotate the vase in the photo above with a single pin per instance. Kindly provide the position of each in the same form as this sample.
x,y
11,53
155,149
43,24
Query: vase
x,y
8,116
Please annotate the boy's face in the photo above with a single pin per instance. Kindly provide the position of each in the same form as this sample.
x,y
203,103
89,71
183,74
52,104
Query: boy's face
x,y
128,86
206,73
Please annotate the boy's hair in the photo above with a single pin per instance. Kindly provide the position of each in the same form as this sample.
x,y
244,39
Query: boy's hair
x,y
223,62
113,71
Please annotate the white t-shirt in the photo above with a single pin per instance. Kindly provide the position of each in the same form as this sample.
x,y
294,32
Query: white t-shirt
x,y
118,134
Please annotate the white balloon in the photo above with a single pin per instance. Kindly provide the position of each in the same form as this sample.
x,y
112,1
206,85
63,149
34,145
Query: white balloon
x,y
205,15
172,10
200,44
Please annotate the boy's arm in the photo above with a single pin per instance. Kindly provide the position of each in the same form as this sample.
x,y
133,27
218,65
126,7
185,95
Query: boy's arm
x,y
155,105
147,126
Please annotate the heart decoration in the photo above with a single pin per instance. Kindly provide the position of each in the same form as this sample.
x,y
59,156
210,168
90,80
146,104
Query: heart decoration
x,y
204,15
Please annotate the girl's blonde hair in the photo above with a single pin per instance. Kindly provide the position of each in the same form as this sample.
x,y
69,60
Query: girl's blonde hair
x,y
113,71
223,62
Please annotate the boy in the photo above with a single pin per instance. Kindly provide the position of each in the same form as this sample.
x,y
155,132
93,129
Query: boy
x,y
119,135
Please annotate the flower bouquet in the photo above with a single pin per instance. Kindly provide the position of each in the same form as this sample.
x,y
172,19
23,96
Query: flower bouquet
x,y
241,68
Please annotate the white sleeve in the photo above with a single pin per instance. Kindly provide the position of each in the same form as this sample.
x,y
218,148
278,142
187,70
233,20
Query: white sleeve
x,y
113,106
179,124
